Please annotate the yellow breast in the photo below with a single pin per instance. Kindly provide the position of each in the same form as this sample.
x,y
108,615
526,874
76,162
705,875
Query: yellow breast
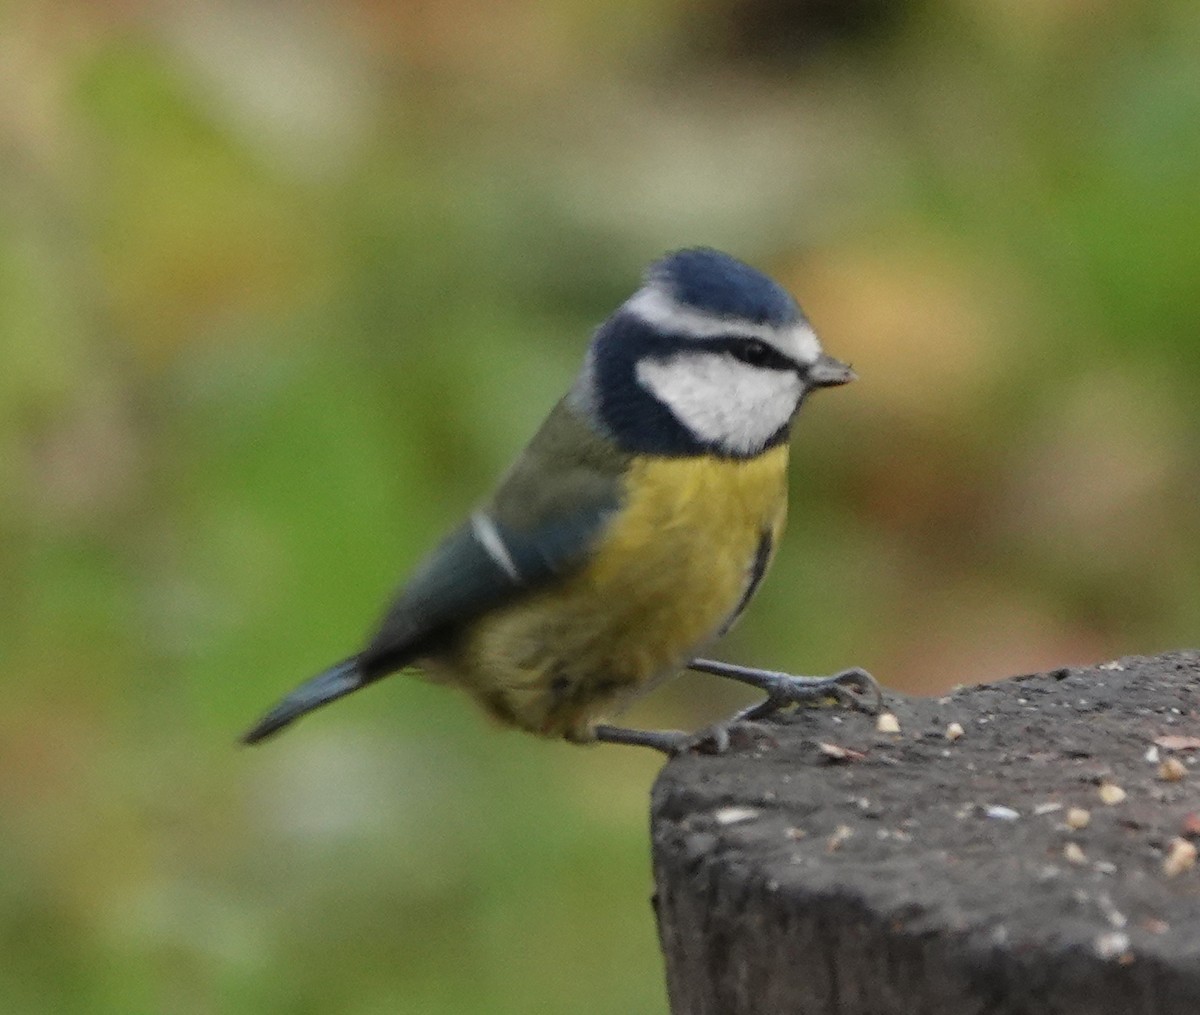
x,y
669,572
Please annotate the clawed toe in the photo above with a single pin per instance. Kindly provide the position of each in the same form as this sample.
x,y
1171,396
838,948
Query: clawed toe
x,y
854,688
721,737
869,696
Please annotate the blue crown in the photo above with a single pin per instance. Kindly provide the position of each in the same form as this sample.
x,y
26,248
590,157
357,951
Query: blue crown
x,y
718,284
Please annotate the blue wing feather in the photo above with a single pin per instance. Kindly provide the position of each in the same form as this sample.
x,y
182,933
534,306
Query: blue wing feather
x,y
547,513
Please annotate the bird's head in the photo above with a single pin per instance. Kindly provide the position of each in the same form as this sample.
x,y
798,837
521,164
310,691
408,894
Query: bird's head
x,y
709,355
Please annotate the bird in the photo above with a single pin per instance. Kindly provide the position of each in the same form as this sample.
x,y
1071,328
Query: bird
x,y
630,533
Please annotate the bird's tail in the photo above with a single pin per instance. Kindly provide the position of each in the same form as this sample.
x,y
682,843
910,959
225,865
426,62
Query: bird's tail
x,y
333,683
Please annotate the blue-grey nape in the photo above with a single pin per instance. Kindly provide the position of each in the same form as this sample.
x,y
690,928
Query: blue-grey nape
x,y
721,285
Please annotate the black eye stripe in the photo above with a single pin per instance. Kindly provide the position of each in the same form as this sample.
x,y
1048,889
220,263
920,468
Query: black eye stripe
x,y
755,352
752,351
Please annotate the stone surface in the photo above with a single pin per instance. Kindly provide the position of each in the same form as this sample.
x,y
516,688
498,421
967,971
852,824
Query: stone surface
x,y
843,870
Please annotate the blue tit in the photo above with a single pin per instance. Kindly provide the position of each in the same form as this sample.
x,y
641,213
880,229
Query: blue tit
x,y
630,533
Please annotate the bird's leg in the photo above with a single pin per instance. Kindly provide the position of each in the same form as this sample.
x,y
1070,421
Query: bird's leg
x,y
667,741
716,739
783,689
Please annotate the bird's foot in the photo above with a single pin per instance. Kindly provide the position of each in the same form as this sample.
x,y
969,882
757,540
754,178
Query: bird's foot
x,y
718,738
855,688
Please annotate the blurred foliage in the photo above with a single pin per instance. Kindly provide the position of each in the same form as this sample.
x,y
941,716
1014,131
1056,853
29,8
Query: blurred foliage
x,y
283,287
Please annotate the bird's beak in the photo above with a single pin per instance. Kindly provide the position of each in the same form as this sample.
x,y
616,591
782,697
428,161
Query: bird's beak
x,y
828,372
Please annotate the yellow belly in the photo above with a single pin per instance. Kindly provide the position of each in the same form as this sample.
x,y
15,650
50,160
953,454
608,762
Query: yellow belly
x,y
667,575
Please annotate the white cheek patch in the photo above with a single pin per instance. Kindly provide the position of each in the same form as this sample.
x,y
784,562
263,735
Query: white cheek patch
x,y
721,400
664,313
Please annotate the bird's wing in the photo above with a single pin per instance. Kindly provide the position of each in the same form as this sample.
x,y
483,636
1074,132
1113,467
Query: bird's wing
x,y
539,525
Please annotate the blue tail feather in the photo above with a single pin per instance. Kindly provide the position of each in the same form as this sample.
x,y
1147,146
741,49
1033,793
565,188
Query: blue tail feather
x,y
335,682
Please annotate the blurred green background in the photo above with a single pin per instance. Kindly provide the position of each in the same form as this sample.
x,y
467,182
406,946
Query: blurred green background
x,y
284,286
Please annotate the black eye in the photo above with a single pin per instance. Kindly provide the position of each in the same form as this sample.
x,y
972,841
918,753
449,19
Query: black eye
x,y
754,352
